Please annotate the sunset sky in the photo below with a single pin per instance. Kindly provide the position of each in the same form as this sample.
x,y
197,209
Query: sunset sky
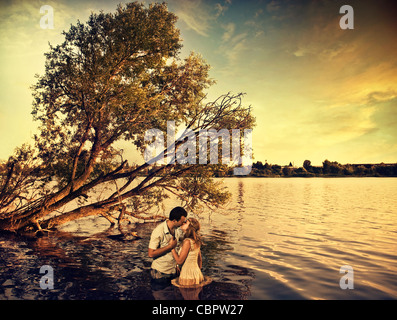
x,y
318,92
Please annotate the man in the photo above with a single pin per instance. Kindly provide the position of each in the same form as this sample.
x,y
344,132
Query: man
x,y
164,238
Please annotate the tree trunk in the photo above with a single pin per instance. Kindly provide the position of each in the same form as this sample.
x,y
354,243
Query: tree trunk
x,y
86,211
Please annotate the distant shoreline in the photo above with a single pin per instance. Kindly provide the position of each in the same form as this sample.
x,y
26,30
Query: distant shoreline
x,y
327,170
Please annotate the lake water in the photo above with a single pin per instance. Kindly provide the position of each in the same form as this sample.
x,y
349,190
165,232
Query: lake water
x,y
279,238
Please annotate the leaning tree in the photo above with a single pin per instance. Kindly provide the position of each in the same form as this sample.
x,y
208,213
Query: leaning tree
x,y
114,78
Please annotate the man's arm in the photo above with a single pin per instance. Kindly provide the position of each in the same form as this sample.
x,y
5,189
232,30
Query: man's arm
x,y
154,253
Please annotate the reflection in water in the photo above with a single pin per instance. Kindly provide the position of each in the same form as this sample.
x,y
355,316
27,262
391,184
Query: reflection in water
x,y
99,267
278,239
191,293
240,197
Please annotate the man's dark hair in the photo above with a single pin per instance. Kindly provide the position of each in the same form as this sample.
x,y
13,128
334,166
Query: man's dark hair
x,y
177,213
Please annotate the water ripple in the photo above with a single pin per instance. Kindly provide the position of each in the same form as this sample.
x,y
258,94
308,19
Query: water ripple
x,y
278,239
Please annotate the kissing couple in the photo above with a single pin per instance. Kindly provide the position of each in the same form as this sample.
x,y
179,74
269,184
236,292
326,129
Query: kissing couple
x,y
177,242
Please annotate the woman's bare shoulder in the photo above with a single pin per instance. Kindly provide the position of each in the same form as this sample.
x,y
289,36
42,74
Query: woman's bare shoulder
x,y
187,241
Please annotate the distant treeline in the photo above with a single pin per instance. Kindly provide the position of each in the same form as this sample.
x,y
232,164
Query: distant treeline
x,y
328,169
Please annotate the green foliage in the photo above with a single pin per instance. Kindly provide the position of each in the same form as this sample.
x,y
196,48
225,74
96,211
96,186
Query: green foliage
x,y
198,190
108,80
307,164
20,180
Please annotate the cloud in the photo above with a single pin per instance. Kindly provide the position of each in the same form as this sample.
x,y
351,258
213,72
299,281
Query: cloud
x,y
385,113
20,28
199,15
380,96
233,46
195,15
258,13
332,126
272,6
220,9
229,31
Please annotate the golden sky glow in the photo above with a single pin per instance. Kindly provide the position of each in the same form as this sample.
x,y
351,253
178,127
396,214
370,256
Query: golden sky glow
x,y
318,92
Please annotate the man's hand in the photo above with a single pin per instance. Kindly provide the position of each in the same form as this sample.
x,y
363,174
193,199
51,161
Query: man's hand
x,y
154,253
173,242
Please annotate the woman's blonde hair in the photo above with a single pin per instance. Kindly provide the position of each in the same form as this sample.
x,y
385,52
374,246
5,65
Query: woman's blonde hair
x,y
193,231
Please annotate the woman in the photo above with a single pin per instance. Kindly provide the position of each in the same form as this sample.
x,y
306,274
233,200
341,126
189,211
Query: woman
x,y
190,256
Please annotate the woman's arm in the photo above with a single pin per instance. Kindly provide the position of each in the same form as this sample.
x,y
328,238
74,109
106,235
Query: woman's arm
x,y
200,260
180,259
